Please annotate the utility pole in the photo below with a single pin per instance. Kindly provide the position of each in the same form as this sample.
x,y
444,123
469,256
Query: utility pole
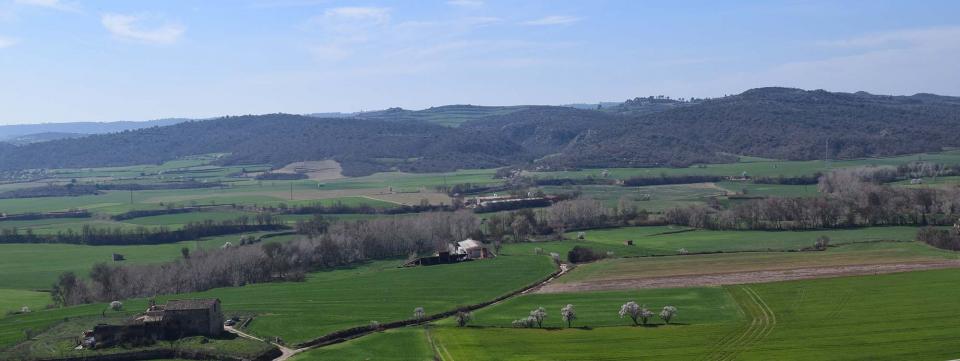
x,y
291,191
131,194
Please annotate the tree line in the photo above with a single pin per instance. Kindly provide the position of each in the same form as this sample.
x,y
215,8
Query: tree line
x,y
849,198
340,244
100,236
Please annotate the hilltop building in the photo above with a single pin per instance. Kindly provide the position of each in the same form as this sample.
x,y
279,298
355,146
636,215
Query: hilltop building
x,y
176,319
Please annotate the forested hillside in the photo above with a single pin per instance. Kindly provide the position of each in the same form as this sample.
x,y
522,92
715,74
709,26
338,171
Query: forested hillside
x,y
768,122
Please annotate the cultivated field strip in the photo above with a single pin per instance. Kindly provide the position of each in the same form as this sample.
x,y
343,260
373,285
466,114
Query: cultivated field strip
x,y
762,321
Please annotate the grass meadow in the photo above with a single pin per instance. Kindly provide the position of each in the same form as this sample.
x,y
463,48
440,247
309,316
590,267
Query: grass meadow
x,y
715,241
332,300
36,266
903,316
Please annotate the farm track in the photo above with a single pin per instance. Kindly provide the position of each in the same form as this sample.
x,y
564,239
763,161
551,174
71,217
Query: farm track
x,y
762,323
747,277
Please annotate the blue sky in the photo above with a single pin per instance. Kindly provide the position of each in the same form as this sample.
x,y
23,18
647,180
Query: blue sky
x,y
64,60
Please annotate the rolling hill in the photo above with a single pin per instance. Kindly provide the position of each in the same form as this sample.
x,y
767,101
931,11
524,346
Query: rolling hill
x,y
767,122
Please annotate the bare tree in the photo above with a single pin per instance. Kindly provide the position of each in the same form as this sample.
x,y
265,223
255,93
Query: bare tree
x,y
463,317
418,314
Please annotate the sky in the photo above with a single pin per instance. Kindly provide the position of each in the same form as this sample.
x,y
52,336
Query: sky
x,y
72,60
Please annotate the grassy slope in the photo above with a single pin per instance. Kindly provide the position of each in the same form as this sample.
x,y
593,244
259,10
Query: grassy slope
x,y
759,167
36,266
13,300
712,241
405,344
599,309
341,299
852,254
887,317
661,197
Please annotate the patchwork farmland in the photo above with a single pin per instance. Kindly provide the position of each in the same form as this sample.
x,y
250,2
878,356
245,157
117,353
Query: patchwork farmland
x,y
740,293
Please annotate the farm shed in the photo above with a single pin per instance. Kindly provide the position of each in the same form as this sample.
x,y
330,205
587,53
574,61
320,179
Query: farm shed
x,y
472,249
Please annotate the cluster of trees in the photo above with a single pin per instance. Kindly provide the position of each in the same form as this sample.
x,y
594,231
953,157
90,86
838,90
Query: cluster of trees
x,y
67,190
189,184
941,238
640,314
675,179
98,236
561,217
280,176
796,180
342,243
846,200
363,208
581,254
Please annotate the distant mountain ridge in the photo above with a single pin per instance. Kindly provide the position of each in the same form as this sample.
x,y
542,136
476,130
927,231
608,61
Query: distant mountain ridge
x,y
779,123
19,130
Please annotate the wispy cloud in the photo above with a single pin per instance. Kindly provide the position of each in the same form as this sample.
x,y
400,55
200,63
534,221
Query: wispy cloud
x,y
345,28
129,27
285,3
375,14
466,3
552,20
51,4
6,42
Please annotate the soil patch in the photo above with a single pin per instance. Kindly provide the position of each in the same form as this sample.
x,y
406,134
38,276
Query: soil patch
x,y
719,279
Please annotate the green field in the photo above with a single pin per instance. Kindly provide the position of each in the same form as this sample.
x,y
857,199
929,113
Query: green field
x,y
758,167
14,300
844,255
650,198
405,344
339,299
905,316
729,241
599,309
770,190
36,266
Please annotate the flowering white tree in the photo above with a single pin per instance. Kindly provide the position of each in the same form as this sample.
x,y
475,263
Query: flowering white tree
x,y
630,309
645,314
668,313
568,313
116,305
418,314
538,315
25,309
526,322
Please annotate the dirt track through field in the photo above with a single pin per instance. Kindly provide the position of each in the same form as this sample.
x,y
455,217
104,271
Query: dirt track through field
x,y
719,279
762,322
